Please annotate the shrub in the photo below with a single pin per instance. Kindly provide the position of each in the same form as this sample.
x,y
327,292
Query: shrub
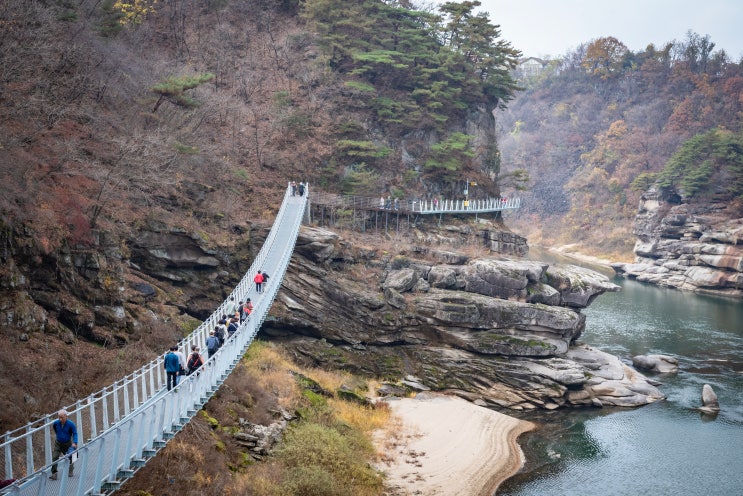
x,y
323,449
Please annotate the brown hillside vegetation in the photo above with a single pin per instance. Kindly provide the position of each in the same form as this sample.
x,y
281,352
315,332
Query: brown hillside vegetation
x,y
85,159
602,117
83,148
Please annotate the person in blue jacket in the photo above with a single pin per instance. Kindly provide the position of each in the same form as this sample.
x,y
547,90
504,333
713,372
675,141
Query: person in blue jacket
x,y
66,434
172,365
212,344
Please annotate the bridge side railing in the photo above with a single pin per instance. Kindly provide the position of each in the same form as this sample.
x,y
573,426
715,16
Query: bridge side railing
x,y
432,206
28,449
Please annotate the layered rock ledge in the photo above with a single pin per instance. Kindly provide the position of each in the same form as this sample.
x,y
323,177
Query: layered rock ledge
x,y
691,247
500,332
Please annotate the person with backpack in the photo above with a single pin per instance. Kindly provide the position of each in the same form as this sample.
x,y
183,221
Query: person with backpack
x,y
172,366
220,331
232,328
212,344
247,309
195,361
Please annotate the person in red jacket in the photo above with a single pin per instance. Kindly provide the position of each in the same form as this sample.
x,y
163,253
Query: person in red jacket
x,y
258,282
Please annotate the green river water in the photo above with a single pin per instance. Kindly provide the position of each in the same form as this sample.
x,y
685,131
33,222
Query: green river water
x,y
666,448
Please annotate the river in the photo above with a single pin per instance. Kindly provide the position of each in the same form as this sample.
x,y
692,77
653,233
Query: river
x,y
669,447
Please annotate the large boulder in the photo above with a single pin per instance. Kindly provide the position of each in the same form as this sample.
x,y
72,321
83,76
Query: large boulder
x,y
710,404
661,364
578,286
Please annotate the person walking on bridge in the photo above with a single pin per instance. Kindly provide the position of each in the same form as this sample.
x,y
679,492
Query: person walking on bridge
x,y
212,344
66,437
247,309
195,361
258,282
172,365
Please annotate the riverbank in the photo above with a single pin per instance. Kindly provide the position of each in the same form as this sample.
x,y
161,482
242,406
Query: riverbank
x,y
443,445
569,251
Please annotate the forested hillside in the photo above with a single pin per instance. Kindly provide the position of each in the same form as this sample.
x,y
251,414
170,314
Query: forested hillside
x,y
113,111
599,126
125,126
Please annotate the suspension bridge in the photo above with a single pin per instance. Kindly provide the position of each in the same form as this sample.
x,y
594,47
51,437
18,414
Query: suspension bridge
x,y
125,424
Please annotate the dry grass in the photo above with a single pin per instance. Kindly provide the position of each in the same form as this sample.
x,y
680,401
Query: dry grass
x,y
363,418
269,370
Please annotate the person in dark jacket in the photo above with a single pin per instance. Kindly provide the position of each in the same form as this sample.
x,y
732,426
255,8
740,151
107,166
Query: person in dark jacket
x,y
232,327
212,344
66,437
172,365
195,361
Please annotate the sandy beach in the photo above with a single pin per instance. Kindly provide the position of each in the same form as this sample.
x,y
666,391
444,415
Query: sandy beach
x,y
444,445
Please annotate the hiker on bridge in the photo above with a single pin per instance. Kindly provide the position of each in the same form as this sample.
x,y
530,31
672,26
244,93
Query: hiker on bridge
x,y
181,365
232,327
172,365
66,438
258,279
246,310
232,307
212,344
195,361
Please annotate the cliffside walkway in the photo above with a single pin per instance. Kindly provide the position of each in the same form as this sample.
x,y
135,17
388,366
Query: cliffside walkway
x,y
423,207
363,213
125,424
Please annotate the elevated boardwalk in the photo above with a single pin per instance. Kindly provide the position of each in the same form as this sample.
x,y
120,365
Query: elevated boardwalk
x,y
423,207
363,213
125,424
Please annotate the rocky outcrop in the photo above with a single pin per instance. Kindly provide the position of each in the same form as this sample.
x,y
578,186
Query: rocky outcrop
x,y
503,332
693,247
100,292
661,364
710,404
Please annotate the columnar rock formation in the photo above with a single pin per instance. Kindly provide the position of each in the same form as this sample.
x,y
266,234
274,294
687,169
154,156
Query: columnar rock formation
x,y
502,332
693,247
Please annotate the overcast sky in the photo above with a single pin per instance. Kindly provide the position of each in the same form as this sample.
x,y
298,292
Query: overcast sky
x,y
552,27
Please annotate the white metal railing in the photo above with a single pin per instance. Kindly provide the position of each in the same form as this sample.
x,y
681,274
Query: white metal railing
x,y
465,206
122,425
433,206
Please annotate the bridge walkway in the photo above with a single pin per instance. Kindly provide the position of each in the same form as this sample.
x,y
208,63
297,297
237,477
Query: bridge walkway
x,y
125,424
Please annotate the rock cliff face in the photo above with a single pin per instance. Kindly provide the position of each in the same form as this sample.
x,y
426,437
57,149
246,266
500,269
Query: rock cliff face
x,y
504,332
692,247
498,331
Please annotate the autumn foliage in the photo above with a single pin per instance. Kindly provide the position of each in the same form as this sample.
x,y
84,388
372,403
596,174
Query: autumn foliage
x,y
602,124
